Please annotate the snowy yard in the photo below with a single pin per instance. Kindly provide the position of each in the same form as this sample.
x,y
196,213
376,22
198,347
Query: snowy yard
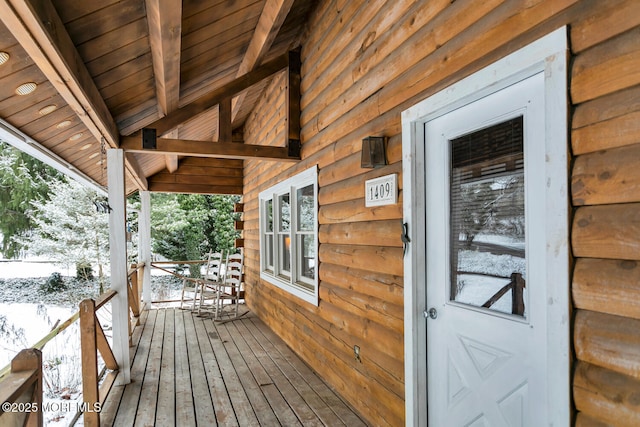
x,y
27,314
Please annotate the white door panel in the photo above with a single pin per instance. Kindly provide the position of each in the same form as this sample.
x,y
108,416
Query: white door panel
x,y
485,366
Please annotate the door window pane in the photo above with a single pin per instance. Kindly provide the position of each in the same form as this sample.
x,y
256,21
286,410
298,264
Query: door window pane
x,y
488,218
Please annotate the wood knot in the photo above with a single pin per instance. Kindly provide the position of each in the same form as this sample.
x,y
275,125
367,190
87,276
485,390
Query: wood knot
x,y
604,176
583,222
368,41
628,264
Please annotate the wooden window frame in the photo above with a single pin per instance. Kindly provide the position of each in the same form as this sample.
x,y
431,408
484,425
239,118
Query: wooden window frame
x,y
290,280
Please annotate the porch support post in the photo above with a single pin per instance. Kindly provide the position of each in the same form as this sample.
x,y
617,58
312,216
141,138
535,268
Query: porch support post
x,y
118,254
144,245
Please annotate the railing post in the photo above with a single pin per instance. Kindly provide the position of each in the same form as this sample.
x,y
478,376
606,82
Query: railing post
x,y
517,294
23,385
135,296
88,346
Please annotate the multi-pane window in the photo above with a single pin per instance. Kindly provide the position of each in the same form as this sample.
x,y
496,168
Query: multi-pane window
x,y
289,235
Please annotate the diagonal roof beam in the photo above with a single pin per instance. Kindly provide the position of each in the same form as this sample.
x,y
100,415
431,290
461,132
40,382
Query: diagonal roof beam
x,y
37,27
213,98
269,24
164,18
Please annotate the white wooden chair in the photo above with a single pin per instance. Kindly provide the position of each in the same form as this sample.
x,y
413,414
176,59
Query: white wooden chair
x,y
227,292
193,286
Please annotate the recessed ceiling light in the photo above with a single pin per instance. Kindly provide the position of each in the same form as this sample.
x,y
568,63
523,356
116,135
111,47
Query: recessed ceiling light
x,y
94,155
85,147
76,136
63,124
26,88
48,109
4,57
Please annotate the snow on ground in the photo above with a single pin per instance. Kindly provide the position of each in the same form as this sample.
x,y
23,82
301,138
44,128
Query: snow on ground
x,y
31,268
27,314
476,289
508,241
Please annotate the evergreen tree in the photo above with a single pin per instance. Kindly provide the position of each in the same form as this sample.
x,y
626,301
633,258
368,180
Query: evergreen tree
x,y
24,181
188,226
69,229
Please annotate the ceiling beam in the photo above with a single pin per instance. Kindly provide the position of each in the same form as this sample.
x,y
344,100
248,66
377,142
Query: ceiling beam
x,y
165,35
167,187
164,18
35,24
223,150
213,98
269,24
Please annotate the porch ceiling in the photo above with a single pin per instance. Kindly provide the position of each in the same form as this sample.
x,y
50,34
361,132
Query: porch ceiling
x,y
105,70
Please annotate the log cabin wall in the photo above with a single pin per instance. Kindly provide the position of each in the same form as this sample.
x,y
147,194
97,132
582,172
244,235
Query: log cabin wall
x,y
366,62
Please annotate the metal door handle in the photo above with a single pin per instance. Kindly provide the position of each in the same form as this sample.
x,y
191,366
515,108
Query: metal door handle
x,y
432,313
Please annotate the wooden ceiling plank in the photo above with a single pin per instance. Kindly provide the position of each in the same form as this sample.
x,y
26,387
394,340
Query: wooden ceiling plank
x,y
165,29
271,20
38,28
40,31
214,97
225,150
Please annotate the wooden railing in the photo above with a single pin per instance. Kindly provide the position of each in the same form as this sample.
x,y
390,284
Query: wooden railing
x,y
160,265
21,381
134,275
93,340
517,285
21,391
24,371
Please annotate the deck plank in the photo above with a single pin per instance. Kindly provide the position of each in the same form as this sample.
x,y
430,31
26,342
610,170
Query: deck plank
x,y
202,398
225,415
146,413
185,411
267,379
258,400
127,412
295,400
345,415
110,406
166,408
189,370
239,399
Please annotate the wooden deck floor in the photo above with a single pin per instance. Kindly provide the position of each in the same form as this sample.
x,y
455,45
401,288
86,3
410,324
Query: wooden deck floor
x,y
189,370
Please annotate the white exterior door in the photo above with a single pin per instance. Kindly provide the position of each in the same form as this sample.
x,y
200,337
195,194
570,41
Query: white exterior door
x,y
486,267
485,286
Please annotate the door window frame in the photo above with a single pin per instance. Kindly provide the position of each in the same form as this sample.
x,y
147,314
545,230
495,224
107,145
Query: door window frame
x,y
549,55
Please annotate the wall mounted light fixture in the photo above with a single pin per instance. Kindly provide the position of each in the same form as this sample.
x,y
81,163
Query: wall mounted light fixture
x,y
373,152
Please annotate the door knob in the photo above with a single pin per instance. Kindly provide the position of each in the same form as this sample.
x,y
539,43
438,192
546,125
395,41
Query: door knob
x,y
432,313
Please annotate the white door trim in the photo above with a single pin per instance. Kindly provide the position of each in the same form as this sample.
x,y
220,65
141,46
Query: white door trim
x,y
548,54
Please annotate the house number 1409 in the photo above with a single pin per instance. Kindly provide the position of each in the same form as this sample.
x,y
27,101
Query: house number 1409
x,y
381,191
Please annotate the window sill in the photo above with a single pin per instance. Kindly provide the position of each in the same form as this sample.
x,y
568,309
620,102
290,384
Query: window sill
x,y
286,285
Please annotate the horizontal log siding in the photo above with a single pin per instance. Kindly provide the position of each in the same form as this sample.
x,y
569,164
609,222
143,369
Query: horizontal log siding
x,y
363,64
605,185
